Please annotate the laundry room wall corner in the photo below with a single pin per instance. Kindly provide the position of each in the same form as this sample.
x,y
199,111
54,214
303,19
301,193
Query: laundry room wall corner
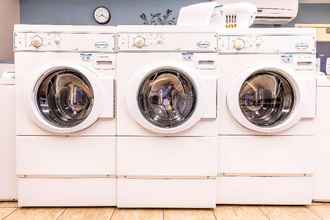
x,y
9,15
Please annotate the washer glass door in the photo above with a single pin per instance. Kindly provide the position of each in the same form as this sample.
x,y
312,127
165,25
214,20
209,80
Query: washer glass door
x,y
266,98
167,98
64,98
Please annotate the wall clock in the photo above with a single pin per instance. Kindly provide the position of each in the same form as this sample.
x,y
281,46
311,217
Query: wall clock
x,y
102,15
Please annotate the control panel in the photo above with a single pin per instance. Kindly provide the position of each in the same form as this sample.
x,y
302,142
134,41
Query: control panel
x,y
266,44
167,42
64,42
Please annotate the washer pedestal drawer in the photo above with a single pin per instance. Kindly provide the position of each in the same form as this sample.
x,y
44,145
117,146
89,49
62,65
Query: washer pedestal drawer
x,y
166,193
271,155
42,192
265,190
167,156
65,156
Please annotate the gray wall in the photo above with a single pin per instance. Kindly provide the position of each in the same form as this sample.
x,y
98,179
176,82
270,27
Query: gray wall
x,y
128,11
80,11
313,14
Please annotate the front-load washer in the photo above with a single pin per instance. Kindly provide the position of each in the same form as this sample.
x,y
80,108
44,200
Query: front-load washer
x,y
322,175
65,130
166,116
266,113
7,134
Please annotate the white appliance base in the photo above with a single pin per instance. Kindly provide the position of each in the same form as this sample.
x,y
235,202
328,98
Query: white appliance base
x,y
265,190
166,193
290,155
7,137
167,156
66,156
322,174
322,179
55,192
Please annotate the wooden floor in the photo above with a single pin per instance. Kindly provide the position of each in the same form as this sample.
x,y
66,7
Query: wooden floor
x,y
317,211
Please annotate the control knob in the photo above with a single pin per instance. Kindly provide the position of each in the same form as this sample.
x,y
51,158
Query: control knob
x,y
36,42
139,41
239,44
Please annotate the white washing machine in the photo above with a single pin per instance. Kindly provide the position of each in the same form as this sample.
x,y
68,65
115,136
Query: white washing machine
x,y
322,175
65,134
7,133
166,117
266,112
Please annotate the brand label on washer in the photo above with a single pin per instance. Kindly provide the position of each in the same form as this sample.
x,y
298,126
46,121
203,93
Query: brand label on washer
x,y
302,46
287,58
86,56
203,44
187,56
101,45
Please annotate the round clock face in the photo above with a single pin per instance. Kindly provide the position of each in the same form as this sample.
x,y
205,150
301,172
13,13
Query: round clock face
x,y
102,15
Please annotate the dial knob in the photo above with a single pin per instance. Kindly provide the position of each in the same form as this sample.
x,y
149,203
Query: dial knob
x,y
239,44
139,41
36,42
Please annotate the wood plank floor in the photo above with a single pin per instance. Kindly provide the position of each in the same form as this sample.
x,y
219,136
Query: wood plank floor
x,y
317,211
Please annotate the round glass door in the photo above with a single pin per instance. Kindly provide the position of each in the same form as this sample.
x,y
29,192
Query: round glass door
x,y
64,98
266,99
167,98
